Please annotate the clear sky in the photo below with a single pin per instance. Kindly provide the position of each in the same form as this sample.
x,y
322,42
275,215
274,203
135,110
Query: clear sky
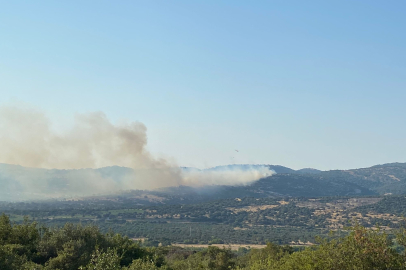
x,y
317,84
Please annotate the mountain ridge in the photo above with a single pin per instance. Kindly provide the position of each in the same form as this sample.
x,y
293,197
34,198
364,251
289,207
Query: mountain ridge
x,y
380,179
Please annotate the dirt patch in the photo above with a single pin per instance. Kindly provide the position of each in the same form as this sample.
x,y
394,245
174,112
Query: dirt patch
x,y
283,202
240,229
230,246
142,239
394,177
340,204
254,208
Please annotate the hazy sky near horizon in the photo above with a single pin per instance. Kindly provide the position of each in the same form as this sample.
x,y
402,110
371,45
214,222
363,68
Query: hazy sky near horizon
x,y
298,83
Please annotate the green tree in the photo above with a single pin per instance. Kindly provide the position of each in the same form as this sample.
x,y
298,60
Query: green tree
x,y
108,260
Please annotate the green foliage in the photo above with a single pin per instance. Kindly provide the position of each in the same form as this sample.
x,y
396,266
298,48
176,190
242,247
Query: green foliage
x,y
361,249
5,229
70,247
144,265
108,260
271,252
17,244
212,258
10,258
29,246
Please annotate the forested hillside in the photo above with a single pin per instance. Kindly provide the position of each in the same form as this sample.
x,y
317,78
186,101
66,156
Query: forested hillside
x,y
386,178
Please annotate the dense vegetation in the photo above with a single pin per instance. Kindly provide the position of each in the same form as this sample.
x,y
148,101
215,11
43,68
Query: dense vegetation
x,y
230,221
212,222
30,246
395,205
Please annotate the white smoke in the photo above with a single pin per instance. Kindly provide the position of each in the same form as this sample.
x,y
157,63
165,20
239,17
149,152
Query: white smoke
x,y
27,139
234,176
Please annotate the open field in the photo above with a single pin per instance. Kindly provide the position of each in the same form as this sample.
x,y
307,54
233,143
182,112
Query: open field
x,y
229,246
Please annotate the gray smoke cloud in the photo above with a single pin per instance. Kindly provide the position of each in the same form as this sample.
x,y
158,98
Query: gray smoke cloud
x,y
27,139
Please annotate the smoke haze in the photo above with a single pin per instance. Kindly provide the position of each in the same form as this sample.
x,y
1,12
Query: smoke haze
x,y
27,139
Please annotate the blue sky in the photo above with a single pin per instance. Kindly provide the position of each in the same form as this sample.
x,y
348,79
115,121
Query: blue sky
x,y
298,83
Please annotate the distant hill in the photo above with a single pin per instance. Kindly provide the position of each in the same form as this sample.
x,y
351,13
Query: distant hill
x,y
380,179
308,182
383,179
243,167
278,185
19,183
308,170
275,168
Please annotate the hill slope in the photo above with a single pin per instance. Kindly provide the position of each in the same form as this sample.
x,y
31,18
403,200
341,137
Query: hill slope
x,y
20,183
386,178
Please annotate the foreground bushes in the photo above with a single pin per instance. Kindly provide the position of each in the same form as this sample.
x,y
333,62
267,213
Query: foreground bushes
x,y
361,249
29,246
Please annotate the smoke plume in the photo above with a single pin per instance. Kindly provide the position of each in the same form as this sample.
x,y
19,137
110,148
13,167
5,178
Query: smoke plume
x,y
225,175
27,139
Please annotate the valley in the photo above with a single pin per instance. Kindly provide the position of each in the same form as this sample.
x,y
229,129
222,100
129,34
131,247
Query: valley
x,y
248,220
